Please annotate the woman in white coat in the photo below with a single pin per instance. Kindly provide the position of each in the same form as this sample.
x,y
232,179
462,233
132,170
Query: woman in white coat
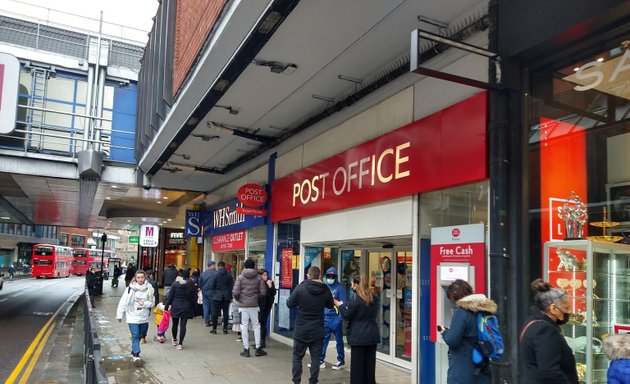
x,y
135,304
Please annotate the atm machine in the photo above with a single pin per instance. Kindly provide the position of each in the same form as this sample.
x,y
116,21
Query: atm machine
x,y
446,274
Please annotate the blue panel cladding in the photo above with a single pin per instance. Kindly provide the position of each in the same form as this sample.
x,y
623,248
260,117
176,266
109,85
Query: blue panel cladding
x,y
427,348
124,124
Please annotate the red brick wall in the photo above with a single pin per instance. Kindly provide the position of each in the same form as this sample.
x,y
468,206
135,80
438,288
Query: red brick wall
x,y
195,19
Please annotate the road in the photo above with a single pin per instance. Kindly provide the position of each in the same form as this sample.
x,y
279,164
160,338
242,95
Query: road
x,y
26,306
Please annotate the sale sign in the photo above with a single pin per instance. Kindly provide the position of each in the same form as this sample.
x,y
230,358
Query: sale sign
x,y
229,241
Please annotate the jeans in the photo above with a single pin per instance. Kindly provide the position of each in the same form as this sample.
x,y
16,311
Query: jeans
x,y
207,308
299,350
333,325
137,330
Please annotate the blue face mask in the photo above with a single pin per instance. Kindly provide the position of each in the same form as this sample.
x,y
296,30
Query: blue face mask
x,y
330,281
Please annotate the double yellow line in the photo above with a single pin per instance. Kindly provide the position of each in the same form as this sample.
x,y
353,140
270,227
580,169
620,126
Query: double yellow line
x,y
32,353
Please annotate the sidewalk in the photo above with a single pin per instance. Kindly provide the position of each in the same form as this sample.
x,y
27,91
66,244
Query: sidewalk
x,y
205,357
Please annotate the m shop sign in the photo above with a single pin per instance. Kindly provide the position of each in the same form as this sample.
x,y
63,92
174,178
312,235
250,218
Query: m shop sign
x,y
149,235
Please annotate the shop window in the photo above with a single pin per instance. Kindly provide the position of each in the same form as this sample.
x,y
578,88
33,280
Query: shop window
x,y
77,241
63,239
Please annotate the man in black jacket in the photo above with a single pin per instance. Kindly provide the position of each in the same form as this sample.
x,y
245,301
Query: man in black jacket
x,y
221,297
310,298
168,277
205,283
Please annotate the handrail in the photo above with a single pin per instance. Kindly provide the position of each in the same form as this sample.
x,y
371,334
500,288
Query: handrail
x,y
94,369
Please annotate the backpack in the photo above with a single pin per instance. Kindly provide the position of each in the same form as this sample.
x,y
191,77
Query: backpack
x,y
490,344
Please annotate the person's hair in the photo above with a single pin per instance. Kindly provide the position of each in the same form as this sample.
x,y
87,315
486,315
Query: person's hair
x,y
250,264
263,271
363,290
185,273
314,273
458,290
545,294
141,272
221,264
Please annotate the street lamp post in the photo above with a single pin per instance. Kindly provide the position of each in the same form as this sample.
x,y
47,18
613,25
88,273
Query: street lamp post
x,y
103,240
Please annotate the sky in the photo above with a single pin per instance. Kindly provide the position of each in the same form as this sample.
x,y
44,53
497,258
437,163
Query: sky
x,y
126,19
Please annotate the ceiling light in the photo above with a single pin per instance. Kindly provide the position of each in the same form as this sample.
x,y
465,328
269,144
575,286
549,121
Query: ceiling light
x,y
183,155
129,221
600,59
207,137
350,79
144,219
277,67
241,132
230,109
108,198
170,219
5,218
165,197
114,186
270,22
159,202
576,69
324,98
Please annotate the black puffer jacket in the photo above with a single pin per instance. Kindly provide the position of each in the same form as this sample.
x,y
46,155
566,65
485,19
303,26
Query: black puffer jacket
x,y
547,358
182,299
310,298
362,328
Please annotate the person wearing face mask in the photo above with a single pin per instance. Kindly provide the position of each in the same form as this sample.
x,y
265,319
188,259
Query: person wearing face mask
x,y
547,358
333,322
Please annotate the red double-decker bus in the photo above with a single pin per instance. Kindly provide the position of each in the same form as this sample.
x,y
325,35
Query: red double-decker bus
x,y
79,261
51,260
84,259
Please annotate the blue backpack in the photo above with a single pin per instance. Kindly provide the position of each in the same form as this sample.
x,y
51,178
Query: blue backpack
x,y
489,340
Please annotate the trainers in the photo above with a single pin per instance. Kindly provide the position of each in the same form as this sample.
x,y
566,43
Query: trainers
x,y
155,338
214,332
260,352
179,347
143,341
321,365
239,339
161,340
245,352
137,361
338,366
174,342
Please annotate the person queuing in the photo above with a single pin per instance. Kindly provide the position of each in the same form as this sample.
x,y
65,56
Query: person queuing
x,y
180,301
265,303
462,334
205,283
363,333
221,298
135,305
247,289
547,358
310,298
617,348
333,323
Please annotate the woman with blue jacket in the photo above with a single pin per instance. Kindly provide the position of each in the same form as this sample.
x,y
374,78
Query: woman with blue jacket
x,y
462,334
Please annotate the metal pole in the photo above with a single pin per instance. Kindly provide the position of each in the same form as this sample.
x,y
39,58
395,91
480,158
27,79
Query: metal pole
x,y
103,240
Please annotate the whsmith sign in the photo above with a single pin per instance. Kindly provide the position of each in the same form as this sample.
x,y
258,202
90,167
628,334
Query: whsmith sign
x,y
221,218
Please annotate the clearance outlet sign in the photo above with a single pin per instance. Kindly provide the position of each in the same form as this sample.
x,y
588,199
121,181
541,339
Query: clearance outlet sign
x,y
445,149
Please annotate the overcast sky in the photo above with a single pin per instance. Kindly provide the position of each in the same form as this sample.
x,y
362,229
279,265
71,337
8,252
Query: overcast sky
x,y
133,14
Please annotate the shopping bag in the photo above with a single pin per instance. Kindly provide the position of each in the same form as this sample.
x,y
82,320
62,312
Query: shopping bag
x,y
166,321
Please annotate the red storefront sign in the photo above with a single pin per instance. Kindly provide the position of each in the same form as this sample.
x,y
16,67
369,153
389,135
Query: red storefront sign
x,y
229,241
445,149
252,195
287,269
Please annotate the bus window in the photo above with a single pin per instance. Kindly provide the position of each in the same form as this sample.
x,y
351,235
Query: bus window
x,y
43,251
42,262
